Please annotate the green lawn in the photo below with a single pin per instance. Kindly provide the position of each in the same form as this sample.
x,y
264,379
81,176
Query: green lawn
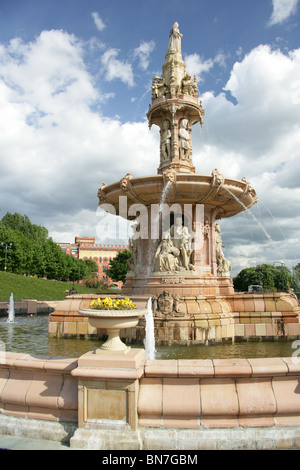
x,y
24,287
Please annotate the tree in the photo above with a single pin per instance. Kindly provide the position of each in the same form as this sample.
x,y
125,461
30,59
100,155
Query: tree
x,y
272,278
118,266
91,268
296,276
35,233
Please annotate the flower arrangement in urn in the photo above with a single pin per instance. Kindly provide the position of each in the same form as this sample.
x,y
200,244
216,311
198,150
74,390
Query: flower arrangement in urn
x,y
112,304
113,315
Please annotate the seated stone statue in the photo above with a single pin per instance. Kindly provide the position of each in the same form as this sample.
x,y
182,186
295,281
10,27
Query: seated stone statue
x,y
174,251
166,257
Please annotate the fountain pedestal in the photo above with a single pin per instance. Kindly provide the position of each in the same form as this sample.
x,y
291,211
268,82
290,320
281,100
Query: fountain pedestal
x,y
108,390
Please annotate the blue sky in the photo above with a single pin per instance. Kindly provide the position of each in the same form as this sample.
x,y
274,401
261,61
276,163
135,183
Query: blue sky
x,y
210,28
75,81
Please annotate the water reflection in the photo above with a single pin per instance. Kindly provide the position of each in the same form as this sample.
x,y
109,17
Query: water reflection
x,y
30,335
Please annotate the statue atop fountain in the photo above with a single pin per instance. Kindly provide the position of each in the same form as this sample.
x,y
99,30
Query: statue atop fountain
x,y
175,108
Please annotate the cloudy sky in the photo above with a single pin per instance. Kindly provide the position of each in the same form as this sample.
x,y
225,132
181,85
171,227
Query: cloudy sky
x,y
75,80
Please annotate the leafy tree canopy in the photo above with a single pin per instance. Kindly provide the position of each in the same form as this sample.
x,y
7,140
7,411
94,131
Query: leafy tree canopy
x,y
33,253
35,233
270,277
118,266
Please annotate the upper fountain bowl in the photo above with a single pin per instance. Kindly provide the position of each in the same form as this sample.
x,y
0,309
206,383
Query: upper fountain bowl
x,y
230,196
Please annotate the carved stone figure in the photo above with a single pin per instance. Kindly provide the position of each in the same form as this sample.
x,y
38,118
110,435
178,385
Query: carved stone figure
x,y
223,265
217,178
166,141
189,87
201,112
159,87
175,40
184,141
169,175
166,257
182,241
125,182
101,194
173,253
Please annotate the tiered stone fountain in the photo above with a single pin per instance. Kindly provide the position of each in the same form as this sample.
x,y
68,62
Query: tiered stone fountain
x,y
177,255
177,250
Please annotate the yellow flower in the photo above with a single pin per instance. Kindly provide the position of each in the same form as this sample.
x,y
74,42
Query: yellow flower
x,y
112,304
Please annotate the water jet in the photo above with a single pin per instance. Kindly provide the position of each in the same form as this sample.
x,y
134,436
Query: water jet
x,y
11,309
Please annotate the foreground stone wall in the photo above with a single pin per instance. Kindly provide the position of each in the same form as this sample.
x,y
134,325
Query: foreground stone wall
x,y
125,402
220,393
38,388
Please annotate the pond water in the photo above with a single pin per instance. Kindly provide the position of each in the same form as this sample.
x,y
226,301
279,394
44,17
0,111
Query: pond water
x,y
30,335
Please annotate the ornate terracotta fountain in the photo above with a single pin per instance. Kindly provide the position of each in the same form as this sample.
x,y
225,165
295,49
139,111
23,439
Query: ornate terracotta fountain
x,y
177,256
177,249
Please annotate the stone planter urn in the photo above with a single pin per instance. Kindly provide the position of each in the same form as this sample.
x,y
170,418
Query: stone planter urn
x,y
113,321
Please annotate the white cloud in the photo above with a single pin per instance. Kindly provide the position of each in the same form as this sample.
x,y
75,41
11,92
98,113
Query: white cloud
x,y
56,151
258,137
100,25
143,53
116,69
195,64
282,10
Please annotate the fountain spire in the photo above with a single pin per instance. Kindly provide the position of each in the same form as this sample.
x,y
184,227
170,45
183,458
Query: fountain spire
x,y
175,109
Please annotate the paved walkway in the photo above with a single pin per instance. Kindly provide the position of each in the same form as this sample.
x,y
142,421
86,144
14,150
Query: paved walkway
x,y
24,443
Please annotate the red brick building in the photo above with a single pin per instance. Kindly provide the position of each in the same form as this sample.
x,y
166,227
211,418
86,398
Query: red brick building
x,y
86,248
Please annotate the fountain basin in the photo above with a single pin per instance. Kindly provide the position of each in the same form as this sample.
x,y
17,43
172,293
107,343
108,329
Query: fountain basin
x,y
113,321
186,189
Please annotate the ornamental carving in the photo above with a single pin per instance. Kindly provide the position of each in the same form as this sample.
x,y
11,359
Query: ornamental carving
x,y
217,179
125,182
101,194
168,305
223,265
169,175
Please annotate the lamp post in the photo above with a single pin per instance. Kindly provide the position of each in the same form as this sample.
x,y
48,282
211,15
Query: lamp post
x,y
7,245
